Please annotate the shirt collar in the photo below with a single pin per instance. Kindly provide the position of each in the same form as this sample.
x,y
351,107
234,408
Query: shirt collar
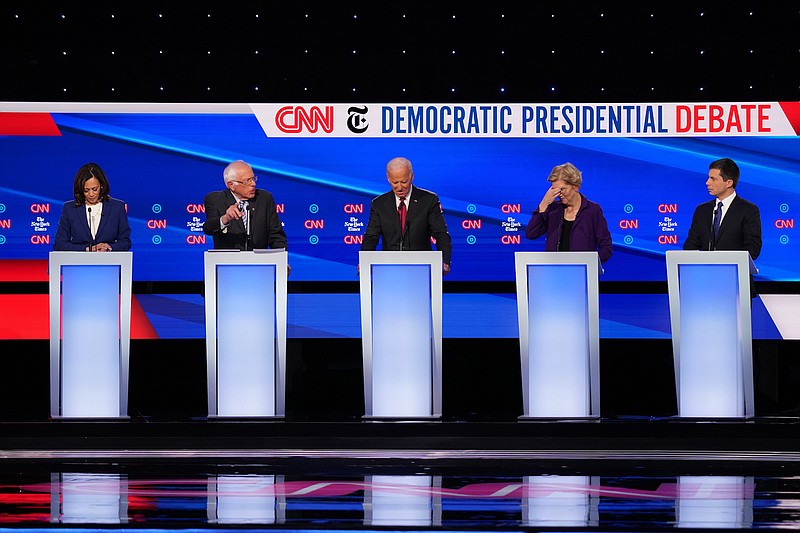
x,y
726,203
408,196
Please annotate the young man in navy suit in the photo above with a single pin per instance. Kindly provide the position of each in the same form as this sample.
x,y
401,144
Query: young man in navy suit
x,y
739,224
728,222
407,217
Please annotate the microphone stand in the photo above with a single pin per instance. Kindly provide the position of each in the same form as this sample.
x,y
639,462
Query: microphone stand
x,y
711,243
91,234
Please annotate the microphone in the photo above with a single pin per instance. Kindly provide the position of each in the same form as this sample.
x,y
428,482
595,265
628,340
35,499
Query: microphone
x,y
242,209
91,234
405,234
711,237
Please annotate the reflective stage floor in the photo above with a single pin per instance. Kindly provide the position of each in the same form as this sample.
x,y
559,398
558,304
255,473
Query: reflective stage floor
x,y
636,474
588,493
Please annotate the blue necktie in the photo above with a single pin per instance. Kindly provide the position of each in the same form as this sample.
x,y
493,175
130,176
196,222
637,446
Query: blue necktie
x,y
717,219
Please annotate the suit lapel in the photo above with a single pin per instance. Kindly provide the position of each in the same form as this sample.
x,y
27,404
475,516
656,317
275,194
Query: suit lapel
x,y
391,206
103,218
413,205
83,216
727,217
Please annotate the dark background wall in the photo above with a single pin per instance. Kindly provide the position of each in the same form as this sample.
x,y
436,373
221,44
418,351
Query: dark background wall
x,y
376,51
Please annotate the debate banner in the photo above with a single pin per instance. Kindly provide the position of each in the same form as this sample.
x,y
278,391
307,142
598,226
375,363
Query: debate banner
x,y
645,164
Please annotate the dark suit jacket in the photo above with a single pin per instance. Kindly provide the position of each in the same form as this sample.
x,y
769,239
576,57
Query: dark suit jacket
x,y
265,224
740,228
424,220
73,227
589,232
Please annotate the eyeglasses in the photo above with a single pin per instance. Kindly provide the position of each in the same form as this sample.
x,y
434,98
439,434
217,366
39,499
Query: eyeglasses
x,y
248,181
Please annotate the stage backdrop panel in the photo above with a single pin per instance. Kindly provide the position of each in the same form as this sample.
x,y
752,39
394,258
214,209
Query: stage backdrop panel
x,y
645,164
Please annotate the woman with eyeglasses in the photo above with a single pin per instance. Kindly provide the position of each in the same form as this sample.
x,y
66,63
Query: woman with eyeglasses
x,y
569,220
93,221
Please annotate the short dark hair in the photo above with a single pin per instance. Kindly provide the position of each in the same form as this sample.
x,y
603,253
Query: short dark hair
x,y
728,169
85,173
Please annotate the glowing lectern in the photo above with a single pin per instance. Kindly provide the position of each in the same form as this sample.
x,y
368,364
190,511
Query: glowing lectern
x,y
90,333
246,332
709,304
559,333
401,332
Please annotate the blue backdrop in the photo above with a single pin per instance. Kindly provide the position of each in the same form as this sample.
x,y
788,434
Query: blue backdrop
x,y
162,165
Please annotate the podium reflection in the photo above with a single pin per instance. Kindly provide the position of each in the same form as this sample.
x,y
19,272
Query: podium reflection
x,y
402,501
715,501
77,498
248,499
560,501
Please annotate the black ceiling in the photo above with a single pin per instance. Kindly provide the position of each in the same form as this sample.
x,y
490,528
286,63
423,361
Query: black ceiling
x,y
501,51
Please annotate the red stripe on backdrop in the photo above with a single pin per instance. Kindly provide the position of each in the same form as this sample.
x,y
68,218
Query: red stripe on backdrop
x,y
27,316
141,327
28,124
792,112
23,270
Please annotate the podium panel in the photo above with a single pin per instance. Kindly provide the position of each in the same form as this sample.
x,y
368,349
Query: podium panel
x,y
401,331
559,330
90,318
246,332
709,302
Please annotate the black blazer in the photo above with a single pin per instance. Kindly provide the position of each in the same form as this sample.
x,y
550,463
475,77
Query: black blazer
x,y
740,228
265,224
424,220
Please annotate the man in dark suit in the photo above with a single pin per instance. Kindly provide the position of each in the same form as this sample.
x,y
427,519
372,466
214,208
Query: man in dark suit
x,y
242,217
737,221
728,222
406,218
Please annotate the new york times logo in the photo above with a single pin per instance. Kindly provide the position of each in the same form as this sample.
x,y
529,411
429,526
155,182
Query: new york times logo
x,y
357,120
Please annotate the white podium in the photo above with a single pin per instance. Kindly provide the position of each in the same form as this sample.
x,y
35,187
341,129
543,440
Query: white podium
x,y
709,304
401,332
90,333
245,296
559,333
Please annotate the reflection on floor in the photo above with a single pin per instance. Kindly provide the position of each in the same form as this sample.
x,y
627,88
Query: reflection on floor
x,y
519,496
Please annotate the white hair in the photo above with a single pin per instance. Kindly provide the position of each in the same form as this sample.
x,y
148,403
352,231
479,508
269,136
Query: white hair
x,y
231,172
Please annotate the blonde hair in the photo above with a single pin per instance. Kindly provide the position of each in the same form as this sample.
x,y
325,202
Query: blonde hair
x,y
567,172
